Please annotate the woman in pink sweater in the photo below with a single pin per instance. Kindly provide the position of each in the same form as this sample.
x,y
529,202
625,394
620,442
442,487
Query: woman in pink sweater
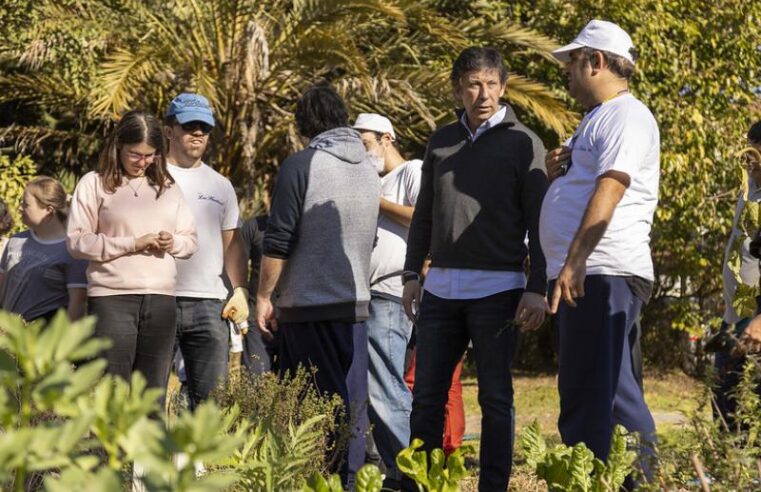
x,y
131,222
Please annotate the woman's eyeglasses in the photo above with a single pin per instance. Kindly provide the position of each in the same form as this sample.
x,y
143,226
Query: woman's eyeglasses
x,y
192,126
137,157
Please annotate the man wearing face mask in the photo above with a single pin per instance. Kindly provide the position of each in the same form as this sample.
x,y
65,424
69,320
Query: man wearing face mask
x,y
388,328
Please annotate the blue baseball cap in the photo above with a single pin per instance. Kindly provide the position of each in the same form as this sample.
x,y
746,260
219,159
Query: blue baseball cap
x,y
191,107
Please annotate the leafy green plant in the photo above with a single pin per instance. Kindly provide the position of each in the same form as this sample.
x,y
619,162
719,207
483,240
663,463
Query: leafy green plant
x,y
277,408
16,173
368,479
318,483
575,469
443,474
729,455
66,423
269,461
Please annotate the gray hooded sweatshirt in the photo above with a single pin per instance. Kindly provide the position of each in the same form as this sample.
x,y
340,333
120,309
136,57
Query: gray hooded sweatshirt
x,y
323,221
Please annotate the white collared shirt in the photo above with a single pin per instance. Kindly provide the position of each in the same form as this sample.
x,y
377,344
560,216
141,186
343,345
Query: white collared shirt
x,y
493,120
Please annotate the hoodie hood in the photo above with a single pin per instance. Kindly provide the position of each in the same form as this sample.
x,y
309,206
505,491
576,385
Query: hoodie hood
x,y
343,143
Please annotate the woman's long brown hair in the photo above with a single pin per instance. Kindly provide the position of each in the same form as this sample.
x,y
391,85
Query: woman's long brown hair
x,y
135,127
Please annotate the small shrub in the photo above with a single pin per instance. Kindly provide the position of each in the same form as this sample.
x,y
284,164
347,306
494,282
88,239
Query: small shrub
x,y
730,457
65,423
278,408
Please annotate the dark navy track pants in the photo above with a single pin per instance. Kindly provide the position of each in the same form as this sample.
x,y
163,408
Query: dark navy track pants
x,y
338,350
597,386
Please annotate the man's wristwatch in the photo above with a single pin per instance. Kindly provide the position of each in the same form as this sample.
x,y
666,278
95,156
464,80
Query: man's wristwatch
x,y
407,276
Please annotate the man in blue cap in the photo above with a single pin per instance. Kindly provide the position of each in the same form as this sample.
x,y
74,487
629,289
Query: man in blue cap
x,y
202,333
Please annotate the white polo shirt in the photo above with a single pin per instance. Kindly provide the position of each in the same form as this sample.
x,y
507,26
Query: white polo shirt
x,y
622,135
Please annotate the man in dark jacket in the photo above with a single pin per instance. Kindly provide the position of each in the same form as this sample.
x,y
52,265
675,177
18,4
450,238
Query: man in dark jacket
x,y
482,187
317,251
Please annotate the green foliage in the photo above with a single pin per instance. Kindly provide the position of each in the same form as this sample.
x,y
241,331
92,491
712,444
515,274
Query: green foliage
x,y
71,67
575,469
270,461
729,455
698,72
60,414
14,175
368,479
278,408
318,483
433,477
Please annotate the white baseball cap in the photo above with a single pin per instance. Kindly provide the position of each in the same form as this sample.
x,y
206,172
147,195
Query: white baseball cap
x,y
372,122
600,35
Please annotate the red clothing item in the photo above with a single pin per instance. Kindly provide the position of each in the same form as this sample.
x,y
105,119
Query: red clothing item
x,y
454,412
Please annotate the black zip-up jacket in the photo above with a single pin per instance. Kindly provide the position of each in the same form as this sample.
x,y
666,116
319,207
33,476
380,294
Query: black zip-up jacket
x,y
479,199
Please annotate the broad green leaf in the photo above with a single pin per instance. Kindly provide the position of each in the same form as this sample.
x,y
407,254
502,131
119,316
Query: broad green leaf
x,y
368,479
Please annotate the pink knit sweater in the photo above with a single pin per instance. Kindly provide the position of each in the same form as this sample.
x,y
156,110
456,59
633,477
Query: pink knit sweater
x,y
103,227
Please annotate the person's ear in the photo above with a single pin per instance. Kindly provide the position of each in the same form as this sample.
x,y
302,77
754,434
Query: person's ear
x,y
597,61
168,132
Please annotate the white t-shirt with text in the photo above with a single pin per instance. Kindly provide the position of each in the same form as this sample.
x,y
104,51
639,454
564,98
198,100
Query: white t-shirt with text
x,y
622,135
214,206
400,186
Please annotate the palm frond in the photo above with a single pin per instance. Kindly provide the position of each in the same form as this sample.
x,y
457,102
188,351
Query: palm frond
x,y
69,146
510,33
121,75
316,11
39,88
538,99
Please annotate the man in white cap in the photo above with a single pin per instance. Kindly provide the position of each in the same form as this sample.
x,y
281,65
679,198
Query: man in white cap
x,y
388,328
595,233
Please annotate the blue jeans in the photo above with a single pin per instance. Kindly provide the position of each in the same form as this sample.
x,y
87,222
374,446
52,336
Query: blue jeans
x,y
389,331
444,328
203,337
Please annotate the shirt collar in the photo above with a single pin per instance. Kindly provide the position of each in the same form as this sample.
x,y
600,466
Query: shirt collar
x,y
501,114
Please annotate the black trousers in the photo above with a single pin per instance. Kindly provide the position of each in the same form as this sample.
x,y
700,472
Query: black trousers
x,y
338,350
444,328
142,329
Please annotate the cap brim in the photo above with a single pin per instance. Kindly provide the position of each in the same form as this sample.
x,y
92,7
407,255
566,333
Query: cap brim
x,y
188,116
564,54
361,128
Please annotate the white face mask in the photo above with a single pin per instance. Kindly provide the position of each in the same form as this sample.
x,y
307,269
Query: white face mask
x,y
377,162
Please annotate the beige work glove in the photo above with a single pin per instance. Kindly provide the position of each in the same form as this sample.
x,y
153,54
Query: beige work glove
x,y
236,308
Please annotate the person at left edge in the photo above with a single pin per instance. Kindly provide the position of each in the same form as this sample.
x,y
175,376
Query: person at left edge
x,y
202,332
38,276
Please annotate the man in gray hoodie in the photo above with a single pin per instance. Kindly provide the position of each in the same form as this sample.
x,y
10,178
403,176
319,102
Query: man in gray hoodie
x,y
316,251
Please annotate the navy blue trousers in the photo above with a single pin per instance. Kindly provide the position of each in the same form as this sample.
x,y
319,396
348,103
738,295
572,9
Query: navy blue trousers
x,y
597,386
338,350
